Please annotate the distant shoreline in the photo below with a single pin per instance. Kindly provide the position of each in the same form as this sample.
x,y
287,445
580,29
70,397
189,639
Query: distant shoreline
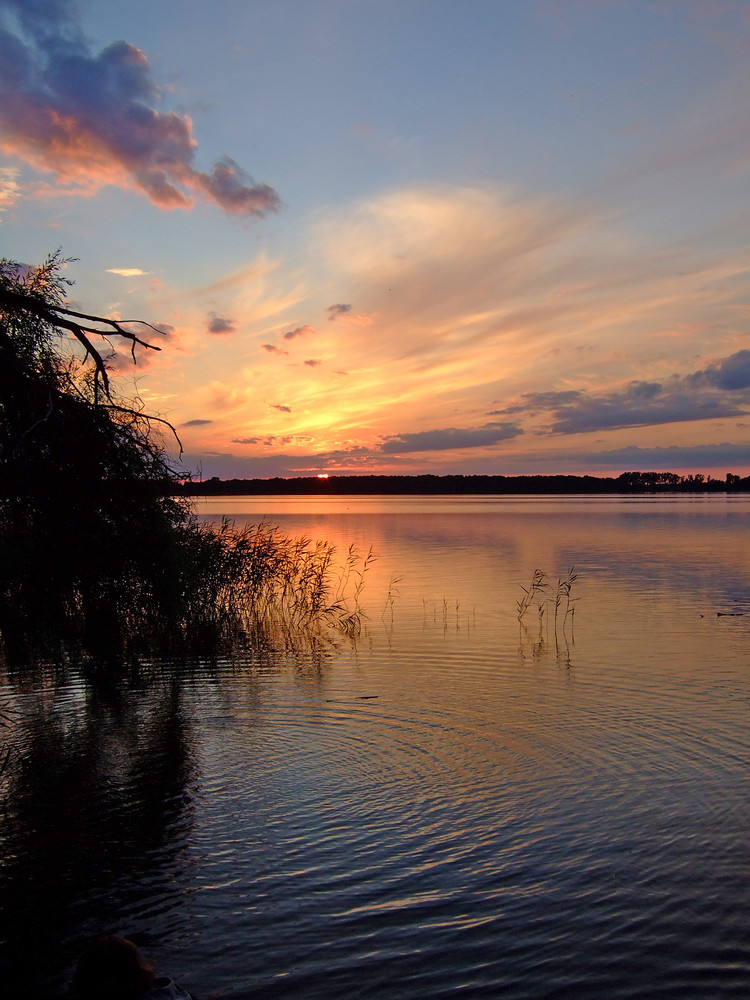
x,y
431,485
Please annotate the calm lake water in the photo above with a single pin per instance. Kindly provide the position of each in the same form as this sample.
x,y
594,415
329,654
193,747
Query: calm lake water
x,y
454,804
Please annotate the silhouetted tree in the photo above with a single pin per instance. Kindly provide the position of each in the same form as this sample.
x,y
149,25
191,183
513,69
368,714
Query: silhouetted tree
x,y
88,522
96,548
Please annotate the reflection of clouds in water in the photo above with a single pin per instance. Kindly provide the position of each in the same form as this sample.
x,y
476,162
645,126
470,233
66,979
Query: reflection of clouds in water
x,y
683,551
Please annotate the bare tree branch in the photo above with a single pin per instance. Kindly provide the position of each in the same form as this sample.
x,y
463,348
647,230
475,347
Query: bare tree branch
x,y
66,319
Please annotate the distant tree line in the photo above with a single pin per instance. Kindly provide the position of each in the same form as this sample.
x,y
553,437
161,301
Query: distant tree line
x,y
430,485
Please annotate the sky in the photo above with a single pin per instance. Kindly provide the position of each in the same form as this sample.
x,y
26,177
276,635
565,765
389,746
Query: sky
x,y
400,236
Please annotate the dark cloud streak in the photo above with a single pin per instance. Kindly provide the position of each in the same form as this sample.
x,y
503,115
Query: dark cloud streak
x,y
340,309
717,391
730,374
220,324
300,331
696,457
449,438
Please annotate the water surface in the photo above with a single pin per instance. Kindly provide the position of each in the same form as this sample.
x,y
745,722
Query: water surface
x,y
451,804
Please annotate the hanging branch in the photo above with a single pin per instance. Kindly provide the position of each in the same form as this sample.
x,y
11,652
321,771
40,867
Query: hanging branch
x,y
148,417
61,318
65,319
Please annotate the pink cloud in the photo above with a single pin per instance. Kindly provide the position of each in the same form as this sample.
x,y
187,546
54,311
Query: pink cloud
x,y
90,119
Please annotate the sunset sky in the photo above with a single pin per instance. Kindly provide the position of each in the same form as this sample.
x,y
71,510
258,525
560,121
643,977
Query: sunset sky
x,y
401,236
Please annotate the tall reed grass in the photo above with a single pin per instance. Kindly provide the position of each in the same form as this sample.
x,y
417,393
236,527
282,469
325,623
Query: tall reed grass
x,y
206,587
256,577
540,594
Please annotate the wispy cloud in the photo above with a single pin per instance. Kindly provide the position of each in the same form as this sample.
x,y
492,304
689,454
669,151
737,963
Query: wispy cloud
x,y
479,295
196,423
501,323
127,272
91,118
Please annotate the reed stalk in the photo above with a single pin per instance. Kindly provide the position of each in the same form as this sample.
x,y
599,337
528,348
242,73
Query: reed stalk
x,y
537,587
393,593
561,603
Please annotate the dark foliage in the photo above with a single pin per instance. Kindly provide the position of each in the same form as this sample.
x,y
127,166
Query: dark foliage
x,y
91,537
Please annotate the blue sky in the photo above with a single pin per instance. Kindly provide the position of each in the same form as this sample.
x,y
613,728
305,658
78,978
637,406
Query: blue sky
x,y
424,236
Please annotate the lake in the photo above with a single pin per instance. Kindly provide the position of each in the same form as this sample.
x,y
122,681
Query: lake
x,y
452,803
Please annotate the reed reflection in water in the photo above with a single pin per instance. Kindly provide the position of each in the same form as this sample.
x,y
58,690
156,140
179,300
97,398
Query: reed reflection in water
x,y
451,804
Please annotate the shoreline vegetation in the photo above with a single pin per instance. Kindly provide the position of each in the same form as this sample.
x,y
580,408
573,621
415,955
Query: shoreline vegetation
x,y
433,485
100,558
